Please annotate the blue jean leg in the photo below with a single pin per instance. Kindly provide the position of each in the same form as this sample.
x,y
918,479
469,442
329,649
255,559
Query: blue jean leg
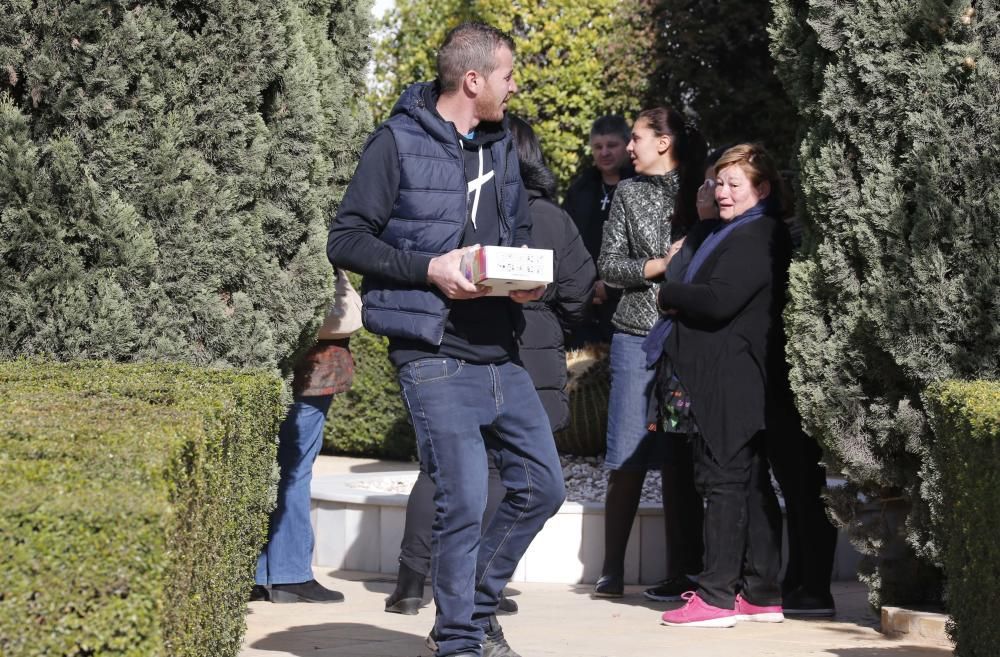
x,y
287,557
631,446
449,404
452,405
531,473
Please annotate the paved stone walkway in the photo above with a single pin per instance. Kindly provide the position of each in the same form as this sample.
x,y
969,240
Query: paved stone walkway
x,y
558,620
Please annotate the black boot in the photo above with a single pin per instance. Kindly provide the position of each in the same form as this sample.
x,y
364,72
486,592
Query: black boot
x,y
311,591
409,594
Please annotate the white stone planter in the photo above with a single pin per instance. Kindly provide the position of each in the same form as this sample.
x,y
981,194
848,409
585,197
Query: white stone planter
x,y
358,529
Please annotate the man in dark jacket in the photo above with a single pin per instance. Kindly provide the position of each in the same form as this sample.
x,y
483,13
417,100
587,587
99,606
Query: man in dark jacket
x,y
588,202
440,176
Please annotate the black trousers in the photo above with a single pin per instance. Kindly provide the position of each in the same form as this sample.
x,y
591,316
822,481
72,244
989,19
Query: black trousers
x,y
415,548
812,539
742,526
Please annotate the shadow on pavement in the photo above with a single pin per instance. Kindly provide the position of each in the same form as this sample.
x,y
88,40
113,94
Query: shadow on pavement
x,y
309,639
891,651
384,466
633,597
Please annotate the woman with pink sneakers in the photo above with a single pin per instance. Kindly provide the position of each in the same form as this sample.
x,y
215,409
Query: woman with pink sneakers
x,y
720,334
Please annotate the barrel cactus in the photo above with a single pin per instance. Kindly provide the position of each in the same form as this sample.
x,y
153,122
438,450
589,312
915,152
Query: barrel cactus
x,y
588,387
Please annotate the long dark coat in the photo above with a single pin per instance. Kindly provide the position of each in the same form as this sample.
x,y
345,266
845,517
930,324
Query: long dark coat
x,y
727,342
566,302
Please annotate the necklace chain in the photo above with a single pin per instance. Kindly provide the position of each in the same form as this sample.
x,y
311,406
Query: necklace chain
x,y
606,199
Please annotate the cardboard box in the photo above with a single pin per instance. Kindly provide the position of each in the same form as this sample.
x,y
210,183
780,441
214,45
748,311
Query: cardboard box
x,y
506,268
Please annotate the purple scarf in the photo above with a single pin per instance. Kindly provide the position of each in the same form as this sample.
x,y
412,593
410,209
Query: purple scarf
x,y
657,337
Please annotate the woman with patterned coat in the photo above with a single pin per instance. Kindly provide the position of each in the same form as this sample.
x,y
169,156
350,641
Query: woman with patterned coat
x,y
650,214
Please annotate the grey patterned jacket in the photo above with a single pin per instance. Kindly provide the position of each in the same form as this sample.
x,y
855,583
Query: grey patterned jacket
x,y
637,229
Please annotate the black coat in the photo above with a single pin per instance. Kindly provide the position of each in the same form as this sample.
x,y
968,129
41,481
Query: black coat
x,y
727,341
566,302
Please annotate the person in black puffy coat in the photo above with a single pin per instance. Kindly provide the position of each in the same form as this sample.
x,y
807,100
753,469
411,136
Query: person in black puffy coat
x,y
566,302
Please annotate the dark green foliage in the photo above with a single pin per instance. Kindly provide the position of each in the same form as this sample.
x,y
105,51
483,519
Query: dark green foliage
x,y
134,503
167,172
965,453
370,419
900,283
711,59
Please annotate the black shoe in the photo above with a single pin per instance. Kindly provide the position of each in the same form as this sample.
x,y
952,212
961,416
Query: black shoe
x,y
671,589
803,603
408,595
494,645
506,605
609,586
259,594
431,642
311,591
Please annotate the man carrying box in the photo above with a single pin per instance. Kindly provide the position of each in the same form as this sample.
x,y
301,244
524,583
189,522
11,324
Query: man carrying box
x,y
438,178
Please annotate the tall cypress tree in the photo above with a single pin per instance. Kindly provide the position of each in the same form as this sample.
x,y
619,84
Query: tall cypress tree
x,y
900,286
711,59
167,171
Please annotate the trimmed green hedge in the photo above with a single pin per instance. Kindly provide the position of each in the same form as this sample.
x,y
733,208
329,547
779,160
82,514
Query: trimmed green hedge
x,y
966,457
370,419
133,505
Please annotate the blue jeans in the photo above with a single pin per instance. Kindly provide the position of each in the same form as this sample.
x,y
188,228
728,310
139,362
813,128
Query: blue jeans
x,y
631,445
287,557
460,410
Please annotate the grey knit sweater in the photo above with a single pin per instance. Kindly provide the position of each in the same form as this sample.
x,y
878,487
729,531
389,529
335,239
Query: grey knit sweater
x,y
637,230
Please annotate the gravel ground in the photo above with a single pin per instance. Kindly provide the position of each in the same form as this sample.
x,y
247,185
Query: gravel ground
x,y
586,480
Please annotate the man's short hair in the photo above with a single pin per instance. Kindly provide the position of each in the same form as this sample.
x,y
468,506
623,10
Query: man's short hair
x,y
612,124
469,47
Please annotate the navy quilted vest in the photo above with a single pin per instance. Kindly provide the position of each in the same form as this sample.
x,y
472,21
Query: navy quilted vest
x,y
430,214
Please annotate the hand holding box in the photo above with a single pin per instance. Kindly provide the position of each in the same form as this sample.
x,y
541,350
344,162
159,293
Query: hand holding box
x,y
505,268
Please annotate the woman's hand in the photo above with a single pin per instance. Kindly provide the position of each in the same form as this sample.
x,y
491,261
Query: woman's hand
x,y
705,201
674,248
654,268
600,293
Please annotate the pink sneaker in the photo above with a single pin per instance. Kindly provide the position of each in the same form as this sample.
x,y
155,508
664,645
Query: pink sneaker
x,y
698,613
748,611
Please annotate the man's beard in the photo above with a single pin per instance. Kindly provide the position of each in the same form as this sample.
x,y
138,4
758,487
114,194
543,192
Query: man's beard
x,y
489,109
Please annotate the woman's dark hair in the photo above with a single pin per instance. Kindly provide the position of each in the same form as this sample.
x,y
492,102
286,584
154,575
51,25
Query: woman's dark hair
x,y
534,173
689,152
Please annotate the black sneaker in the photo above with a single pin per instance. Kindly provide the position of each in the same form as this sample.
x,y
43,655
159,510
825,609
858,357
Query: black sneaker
x,y
671,589
259,594
311,591
506,605
494,645
609,586
803,603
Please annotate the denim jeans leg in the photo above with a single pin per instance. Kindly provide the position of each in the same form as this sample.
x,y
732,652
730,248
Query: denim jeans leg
x,y
450,402
531,472
287,557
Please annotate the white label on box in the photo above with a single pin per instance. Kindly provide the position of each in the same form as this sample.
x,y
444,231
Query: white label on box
x,y
505,268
